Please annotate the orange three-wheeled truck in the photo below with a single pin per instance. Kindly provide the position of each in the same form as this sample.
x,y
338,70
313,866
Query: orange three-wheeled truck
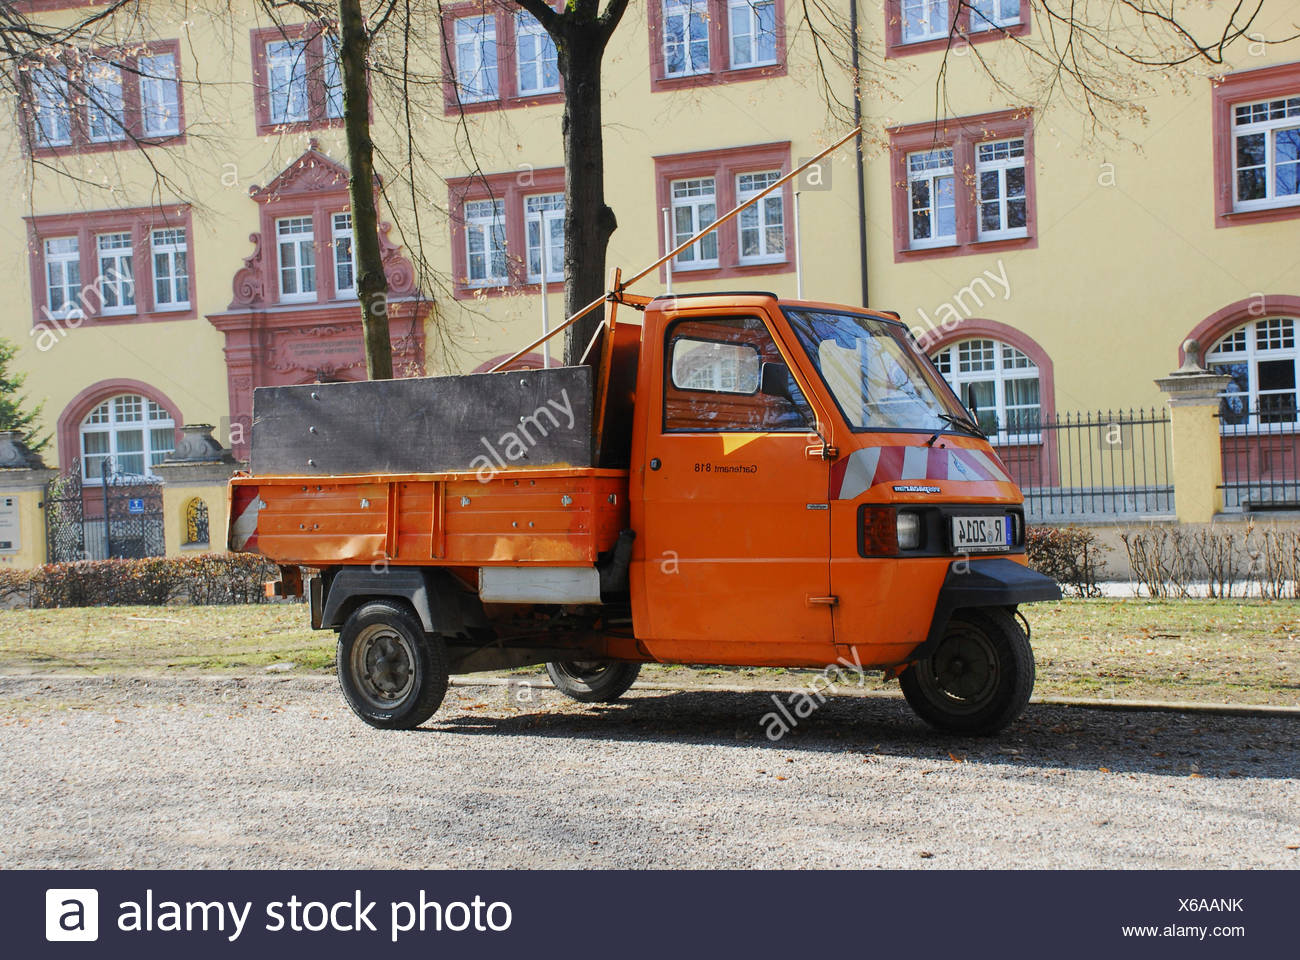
x,y
731,478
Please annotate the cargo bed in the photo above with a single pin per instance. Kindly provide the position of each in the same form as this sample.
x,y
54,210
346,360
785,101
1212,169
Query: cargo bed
x,y
547,517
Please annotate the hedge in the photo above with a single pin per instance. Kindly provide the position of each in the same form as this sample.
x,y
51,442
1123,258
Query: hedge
x,y
207,578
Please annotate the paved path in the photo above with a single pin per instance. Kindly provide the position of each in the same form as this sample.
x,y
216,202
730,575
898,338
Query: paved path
x,y
203,772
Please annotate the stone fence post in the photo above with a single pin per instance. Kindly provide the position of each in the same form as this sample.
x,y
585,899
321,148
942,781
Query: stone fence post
x,y
194,492
23,476
1193,394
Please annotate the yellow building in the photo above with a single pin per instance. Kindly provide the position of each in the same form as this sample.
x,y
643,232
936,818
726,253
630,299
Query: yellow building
x,y
184,237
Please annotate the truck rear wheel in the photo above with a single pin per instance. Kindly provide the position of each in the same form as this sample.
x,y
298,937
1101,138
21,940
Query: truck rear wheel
x,y
979,678
593,681
393,674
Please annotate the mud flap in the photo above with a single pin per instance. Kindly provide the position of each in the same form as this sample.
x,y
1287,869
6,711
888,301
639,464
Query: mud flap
x,y
995,582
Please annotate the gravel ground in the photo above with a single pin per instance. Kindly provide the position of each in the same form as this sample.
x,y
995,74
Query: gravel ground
x,y
276,772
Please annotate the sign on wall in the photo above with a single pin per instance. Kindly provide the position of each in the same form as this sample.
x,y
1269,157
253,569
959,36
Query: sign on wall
x,y
10,526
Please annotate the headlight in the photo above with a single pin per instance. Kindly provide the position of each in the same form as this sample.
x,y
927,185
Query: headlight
x,y
909,530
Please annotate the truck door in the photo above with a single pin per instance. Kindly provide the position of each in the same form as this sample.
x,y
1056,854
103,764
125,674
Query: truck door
x,y
734,549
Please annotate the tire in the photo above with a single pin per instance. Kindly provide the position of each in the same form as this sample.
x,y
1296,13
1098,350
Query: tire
x,y
979,678
593,681
392,673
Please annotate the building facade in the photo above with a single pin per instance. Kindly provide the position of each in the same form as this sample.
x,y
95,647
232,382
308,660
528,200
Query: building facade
x,y
183,236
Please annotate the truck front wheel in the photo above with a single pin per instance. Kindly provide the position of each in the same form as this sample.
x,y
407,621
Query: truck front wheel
x,y
978,680
593,681
393,674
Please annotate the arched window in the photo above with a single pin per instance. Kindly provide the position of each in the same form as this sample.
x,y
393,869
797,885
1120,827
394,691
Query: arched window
x,y
127,434
196,523
1260,357
998,382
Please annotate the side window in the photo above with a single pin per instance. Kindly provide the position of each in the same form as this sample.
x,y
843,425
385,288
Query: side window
x,y
715,380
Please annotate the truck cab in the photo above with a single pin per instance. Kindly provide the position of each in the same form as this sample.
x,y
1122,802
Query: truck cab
x,y
769,483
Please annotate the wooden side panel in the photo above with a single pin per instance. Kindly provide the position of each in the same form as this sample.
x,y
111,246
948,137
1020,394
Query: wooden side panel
x,y
496,421
457,521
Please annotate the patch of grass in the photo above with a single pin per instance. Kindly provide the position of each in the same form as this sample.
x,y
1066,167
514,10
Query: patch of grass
x,y
133,639
1230,651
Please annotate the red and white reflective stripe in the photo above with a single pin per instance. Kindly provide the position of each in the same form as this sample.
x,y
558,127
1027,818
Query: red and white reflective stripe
x,y
863,469
244,507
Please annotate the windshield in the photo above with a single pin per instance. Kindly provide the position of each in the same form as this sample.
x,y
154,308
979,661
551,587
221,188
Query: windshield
x,y
878,377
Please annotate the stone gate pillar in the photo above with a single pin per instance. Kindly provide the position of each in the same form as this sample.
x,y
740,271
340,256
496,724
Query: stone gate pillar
x,y
1193,394
23,476
194,492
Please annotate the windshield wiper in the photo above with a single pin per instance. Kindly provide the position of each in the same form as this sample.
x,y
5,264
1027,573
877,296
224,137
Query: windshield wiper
x,y
970,426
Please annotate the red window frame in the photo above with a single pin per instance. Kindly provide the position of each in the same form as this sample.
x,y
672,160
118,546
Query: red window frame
x,y
320,205
724,166
314,33
42,6
895,47
508,97
1265,83
719,46
135,136
140,222
511,188
961,134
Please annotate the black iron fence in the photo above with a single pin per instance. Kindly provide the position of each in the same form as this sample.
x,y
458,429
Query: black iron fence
x,y
120,515
1092,465
1261,462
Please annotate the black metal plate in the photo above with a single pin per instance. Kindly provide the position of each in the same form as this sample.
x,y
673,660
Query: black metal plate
x,y
522,418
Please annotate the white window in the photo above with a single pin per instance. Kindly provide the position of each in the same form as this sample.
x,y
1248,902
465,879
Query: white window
x,y
53,114
62,275
932,198
1000,172
752,25
286,69
990,14
539,70
333,80
116,278
925,20
295,238
345,277
686,37
1266,142
997,382
125,435
159,96
695,206
105,108
171,272
476,59
485,242
1261,360
762,224
545,214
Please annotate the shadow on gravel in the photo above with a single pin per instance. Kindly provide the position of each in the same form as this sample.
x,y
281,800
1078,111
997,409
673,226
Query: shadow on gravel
x,y
1068,738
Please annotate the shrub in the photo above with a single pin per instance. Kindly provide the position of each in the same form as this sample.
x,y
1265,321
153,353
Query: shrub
x,y
1072,556
201,579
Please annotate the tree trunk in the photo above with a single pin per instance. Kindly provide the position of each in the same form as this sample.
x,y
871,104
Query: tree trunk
x,y
372,283
588,220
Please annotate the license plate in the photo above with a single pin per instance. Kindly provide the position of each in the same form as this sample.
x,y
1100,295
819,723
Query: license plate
x,y
981,533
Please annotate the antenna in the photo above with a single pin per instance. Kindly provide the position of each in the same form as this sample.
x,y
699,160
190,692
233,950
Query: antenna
x,y
619,288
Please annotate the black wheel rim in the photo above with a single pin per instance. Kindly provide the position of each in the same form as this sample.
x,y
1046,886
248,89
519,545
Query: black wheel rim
x,y
383,666
964,672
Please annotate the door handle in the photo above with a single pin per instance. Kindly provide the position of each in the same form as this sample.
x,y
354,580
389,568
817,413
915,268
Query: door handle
x,y
823,601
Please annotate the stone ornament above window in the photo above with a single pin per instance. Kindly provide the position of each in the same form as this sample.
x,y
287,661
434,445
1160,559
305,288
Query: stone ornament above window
x,y
315,186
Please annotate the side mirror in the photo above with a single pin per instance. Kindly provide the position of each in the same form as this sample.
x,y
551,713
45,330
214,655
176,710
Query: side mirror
x,y
774,381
